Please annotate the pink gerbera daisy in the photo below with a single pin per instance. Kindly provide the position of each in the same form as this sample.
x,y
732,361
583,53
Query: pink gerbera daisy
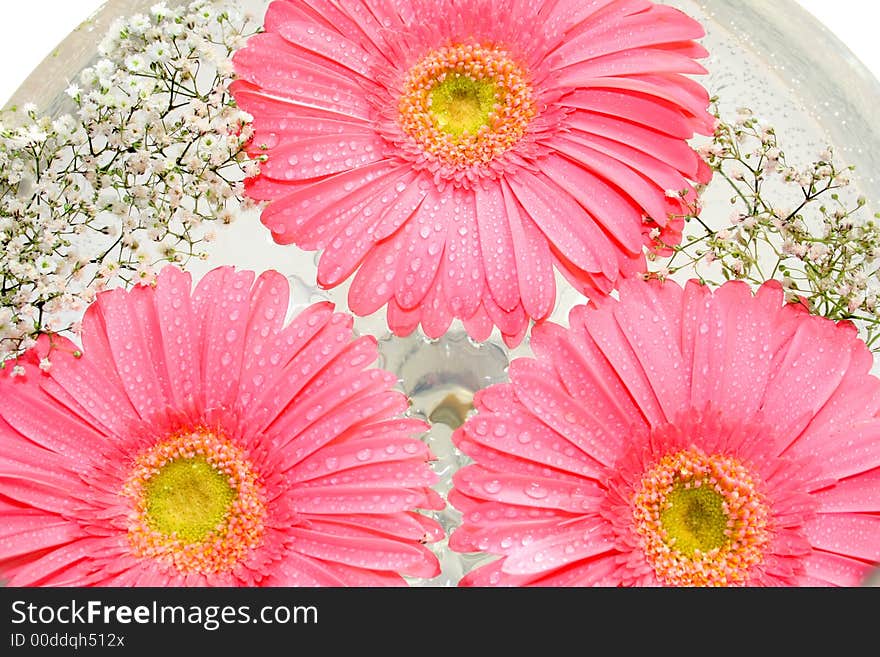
x,y
197,440
457,151
678,437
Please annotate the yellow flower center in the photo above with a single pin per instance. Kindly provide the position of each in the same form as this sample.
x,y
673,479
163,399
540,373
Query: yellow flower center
x,y
466,104
189,498
198,504
702,519
695,519
461,104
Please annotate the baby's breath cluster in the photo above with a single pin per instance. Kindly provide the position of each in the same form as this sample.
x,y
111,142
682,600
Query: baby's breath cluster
x,y
801,226
150,154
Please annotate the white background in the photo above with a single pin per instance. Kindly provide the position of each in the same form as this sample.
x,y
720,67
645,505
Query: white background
x,y
31,29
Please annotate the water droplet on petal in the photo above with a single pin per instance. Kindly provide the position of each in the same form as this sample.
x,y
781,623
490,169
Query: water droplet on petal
x,y
536,491
492,487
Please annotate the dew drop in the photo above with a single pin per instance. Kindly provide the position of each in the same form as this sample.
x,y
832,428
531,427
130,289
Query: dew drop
x,y
492,487
536,491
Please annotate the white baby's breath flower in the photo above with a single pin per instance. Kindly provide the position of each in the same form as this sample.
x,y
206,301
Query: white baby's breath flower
x,y
32,135
136,63
159,11
142,160
139,23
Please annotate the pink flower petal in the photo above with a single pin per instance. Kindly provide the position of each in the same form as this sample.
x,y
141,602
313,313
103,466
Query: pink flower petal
x,y
636,61
318,339
513,324
346,500
403,322
23,534
642,25
789,403
268,308
612,343
177,324
284,75
835,570
518,434
651,326
301,570
849,535
46,424
479,325
366,578
846,451
537,283
372,285
345,233
320,398
587,378
642,84
410,474
410,526
424,247
393,445
45,566
611,210
496,246
499,397
37,488
580,540
462,262
860,493
368,553
857,392
331,94
436,315
647,195
412,192
131,354
653,113
564,222
669,158
504,537
498,461
541,492
317,157
329,44
537,387
599,571
224,318
336,422
288,215
491,575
